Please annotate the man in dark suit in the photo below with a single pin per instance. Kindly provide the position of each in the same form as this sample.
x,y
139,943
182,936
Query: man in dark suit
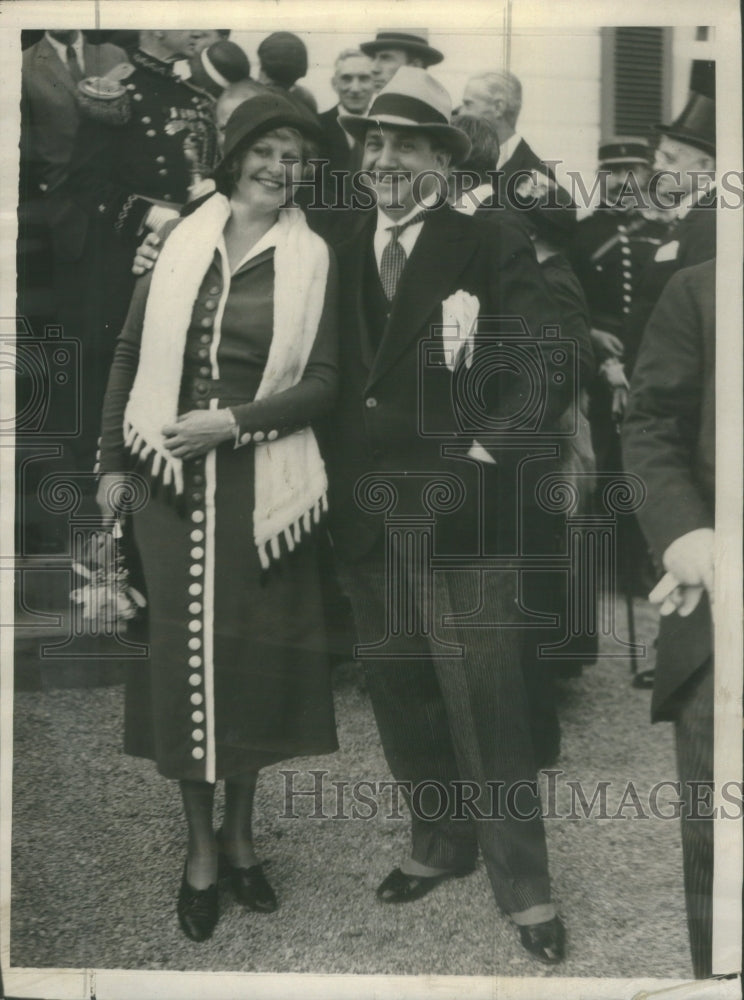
x,y
352,81
669,441
449,701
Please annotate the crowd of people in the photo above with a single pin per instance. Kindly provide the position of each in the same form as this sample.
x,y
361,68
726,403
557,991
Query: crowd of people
x,y
266,377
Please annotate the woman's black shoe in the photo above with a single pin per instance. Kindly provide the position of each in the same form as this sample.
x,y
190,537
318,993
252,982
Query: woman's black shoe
x,y
250,886
198,911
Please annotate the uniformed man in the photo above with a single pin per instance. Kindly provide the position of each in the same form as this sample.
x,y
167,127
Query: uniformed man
x,y
609,252
132,178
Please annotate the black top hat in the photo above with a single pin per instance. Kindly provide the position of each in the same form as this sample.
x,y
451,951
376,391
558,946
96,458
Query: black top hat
x,y
696,125
416,44
624,149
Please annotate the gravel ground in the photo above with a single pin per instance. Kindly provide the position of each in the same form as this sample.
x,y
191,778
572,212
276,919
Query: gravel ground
x,y
98,849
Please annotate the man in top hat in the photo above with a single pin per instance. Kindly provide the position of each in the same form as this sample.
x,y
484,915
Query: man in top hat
x,y
684,182
449,702
393,48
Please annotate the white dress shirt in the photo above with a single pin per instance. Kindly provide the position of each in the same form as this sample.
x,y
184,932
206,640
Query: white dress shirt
x,y
61,49
410,234
506,149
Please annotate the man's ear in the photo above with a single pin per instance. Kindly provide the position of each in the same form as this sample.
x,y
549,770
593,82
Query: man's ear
x,y
442,158
499,107
416,61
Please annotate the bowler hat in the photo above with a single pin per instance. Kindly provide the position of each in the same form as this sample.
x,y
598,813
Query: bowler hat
x,y
415,41
412,99
283,57
218,65
261,114
620,150
696,125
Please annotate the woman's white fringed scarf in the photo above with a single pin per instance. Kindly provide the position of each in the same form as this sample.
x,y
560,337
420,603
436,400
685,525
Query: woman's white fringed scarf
x,y
291,484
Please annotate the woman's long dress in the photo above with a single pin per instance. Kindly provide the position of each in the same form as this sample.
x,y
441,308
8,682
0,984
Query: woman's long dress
x,y
237,675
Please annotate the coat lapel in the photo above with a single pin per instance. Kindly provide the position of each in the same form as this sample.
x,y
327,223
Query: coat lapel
x,y
54,67
355,249
439,256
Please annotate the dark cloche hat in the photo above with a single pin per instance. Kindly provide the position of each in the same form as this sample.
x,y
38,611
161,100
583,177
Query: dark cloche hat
x,y
696,125
414,40
261,114
283,57
218,65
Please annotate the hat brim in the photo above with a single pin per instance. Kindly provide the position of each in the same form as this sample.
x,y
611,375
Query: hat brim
x,y
432,56
690,139
452,138
622,161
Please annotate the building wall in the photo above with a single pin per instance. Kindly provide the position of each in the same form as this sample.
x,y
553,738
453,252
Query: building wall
x,y
559,74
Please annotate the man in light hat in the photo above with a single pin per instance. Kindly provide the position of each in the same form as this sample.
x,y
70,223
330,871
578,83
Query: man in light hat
x,y
393,48
450,709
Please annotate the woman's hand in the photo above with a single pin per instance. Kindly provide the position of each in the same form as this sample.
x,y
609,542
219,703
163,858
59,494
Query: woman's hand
x,y
198,431
111,486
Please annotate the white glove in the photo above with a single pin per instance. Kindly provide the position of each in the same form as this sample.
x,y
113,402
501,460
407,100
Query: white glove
x,y
158,216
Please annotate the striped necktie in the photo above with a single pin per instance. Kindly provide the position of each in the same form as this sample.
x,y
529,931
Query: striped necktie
x,y
394,256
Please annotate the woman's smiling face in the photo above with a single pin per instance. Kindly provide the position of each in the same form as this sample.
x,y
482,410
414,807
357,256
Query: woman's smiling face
x,y
270,166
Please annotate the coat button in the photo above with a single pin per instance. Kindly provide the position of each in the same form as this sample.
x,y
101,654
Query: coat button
x,y
195,608
245,438
204,371
195,625
197,716
198,753
203,352
370,402
196,698
151,133
210,304
162,173
195,680
167,197
272,435
201,404
146,120
205,338
197,535
194,643
258,436
195,589
207,321
195,661
137,97
198,735
197,552
159,159
197,479
197,516
214,290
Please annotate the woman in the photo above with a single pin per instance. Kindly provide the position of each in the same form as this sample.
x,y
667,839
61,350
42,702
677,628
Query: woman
x,y
227,356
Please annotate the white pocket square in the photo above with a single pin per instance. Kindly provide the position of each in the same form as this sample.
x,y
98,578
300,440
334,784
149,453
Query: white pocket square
x,y
460,321
668,251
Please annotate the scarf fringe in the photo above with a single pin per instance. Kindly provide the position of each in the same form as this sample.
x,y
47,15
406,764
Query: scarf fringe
x,y
292,534
163,467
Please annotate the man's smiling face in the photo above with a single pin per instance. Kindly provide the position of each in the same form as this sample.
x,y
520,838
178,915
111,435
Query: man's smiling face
x,y
396,156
